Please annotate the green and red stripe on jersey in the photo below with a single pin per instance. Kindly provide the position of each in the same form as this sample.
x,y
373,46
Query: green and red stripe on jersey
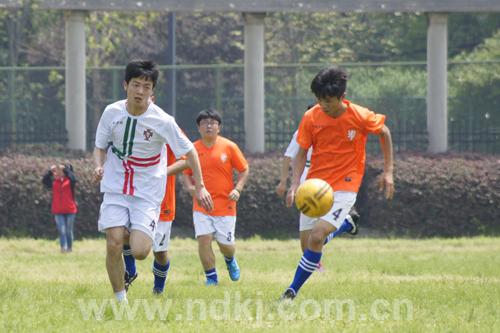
x,y
144,162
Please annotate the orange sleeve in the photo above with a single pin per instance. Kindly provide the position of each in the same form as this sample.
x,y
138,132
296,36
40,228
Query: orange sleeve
x,y
237,159
373,122
304,135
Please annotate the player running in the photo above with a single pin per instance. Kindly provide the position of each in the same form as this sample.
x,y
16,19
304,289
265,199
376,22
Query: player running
x,y
218,158
130,164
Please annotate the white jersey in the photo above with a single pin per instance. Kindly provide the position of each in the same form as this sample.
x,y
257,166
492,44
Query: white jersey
x,y
136,151
293,149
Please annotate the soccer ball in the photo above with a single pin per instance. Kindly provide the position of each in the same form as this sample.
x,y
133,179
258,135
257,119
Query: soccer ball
x,y
314,197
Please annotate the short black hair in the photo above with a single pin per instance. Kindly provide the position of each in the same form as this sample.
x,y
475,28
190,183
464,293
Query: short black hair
x,y
329,82
209,114
142,69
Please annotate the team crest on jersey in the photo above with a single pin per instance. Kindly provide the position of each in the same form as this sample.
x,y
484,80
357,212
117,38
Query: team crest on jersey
x,y
351,134
148,134
223,157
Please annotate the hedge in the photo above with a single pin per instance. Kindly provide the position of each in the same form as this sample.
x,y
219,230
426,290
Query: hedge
x,y
446,195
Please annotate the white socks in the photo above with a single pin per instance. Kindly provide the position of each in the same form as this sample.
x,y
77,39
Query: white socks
x,y
121,296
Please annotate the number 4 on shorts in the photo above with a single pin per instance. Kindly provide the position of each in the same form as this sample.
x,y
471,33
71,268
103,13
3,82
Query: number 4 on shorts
x,y
336,213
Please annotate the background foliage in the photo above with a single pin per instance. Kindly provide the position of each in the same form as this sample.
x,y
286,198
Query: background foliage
x,y
385,54
444,196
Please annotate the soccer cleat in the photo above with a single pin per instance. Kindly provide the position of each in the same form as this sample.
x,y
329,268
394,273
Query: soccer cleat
x,y
289,294
129,279
211,282
234,270
157,291
352,219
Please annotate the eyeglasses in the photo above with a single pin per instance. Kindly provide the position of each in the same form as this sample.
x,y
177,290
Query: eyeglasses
x,y
206,122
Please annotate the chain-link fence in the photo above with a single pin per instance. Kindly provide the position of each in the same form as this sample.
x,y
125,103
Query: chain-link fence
x,y
32,105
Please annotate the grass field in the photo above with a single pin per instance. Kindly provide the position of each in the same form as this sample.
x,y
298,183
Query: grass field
x,y
370,285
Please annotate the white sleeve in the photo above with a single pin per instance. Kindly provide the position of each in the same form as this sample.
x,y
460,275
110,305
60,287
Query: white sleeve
x,y
293,147
175,138
103,133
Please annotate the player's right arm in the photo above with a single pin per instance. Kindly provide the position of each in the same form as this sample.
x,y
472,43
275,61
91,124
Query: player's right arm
x,y
290,153
188,182
99,159
200,192
285,166
102,139
298,165
177,167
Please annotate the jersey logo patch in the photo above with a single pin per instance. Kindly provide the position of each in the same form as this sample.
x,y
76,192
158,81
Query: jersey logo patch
x,y
351,134
223,157
148,134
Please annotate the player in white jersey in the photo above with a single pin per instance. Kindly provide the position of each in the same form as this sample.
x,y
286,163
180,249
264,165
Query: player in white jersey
x,y
130,163
306,223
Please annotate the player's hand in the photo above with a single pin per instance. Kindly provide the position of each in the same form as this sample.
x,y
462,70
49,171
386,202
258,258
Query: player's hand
x,y
290,196
281,189
204,198
98,173
234,195
386,182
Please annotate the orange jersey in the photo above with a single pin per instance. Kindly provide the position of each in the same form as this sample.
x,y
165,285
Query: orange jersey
x,y
217,164
339,144
167,212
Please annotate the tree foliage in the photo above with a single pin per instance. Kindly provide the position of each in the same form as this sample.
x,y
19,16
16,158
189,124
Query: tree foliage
x,y
32,37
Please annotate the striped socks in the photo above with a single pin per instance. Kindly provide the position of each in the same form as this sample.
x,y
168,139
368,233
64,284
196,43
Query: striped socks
x,y
129,260
211,276
160,273
344,227
307,265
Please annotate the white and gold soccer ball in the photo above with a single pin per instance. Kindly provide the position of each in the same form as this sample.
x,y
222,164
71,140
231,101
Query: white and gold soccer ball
x,y
314,197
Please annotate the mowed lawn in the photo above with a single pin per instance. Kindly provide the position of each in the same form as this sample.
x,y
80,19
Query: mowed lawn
x,y
369,285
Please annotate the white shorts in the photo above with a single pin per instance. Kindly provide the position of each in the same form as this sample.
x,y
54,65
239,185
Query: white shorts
x,y
306,222
222,227
162,236
342,204
133,213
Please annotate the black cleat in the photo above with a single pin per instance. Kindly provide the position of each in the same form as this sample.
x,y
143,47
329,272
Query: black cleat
x,y
353,224
129,279
353,218
289,294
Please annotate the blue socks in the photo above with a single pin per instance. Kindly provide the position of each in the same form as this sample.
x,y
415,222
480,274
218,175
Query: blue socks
x,y
129,260
211,276
307,265
344,227
160,272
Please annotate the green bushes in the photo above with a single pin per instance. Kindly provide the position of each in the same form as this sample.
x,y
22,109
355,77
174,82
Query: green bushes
x,y
435,196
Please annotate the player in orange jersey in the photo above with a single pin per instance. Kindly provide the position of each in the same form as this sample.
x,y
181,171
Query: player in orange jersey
x,y
218,158
337,131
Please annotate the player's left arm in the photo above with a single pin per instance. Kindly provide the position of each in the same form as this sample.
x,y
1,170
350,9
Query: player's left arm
x,y
386,181
239,163
240,184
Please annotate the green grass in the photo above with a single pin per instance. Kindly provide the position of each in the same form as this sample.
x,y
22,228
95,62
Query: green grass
x,y
370,285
